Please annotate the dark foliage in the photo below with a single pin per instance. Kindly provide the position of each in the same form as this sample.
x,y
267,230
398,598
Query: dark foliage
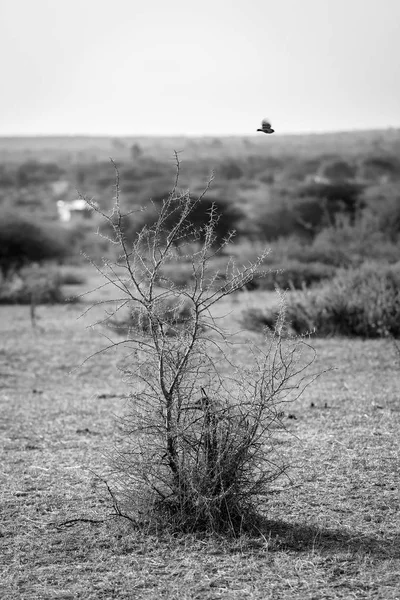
x,y
338,197
228,219
34,173
284,216
23,242
230,170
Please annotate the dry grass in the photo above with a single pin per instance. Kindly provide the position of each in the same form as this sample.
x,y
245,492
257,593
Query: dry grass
x,y
332,531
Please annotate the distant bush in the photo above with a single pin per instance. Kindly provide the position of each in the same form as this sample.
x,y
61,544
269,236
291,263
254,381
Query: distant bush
x,y
278,219
144,168
257,319
383,206
334,245
31,286
228,218
230,169
273,223
306,210
23,242
339,197
375,167
293,275
7,178
267,177
288,274
297,169
71,277
362,302
337,171
347,244
33,173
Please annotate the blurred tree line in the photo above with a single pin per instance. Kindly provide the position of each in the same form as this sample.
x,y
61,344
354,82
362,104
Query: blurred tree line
x,y
327,206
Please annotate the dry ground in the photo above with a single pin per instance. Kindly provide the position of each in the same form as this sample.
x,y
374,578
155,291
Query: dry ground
x,y
333,530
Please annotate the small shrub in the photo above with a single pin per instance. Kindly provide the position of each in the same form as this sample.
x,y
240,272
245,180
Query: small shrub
x,y
23,242
362,302
31,286
276,219
230,169
70,277
340,197
306,209
376,167
256,319
347,244
228,218
33,173
199,448
383,205
293,275
337,171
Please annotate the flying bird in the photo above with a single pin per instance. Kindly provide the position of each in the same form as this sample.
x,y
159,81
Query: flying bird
x,y
266,126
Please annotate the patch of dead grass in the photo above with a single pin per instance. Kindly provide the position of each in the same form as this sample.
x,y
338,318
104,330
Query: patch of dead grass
x,y
331,531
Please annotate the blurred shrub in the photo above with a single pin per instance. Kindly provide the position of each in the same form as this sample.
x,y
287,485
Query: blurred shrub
x,y
362,302
136,151
71,277
258,164
377,167
34,173
228,218
306,209
299,168
23,242
257,319
7,176
342,244
83,239
267,177
383,209
349,244
230,169
339,197
337,171
277,219
293,275
31,285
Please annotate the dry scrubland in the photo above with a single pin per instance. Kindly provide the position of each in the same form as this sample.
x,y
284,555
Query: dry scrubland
x,y
333,528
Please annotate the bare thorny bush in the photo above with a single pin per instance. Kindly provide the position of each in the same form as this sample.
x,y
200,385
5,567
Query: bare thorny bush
x,y
200,436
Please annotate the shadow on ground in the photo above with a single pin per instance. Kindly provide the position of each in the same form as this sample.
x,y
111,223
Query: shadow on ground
x,y
289,536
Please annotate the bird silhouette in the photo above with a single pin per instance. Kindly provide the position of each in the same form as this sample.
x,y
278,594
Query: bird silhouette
x,y
266,126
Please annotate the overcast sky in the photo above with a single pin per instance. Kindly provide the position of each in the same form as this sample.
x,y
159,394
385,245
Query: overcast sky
x,y
126,67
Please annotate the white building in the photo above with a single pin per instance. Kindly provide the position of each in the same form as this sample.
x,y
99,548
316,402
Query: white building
x,y
69,209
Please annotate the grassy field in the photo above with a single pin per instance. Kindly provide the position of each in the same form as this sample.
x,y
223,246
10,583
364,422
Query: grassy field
x,y
333,529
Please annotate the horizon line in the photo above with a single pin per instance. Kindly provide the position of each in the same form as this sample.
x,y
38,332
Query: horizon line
x,y
193,135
